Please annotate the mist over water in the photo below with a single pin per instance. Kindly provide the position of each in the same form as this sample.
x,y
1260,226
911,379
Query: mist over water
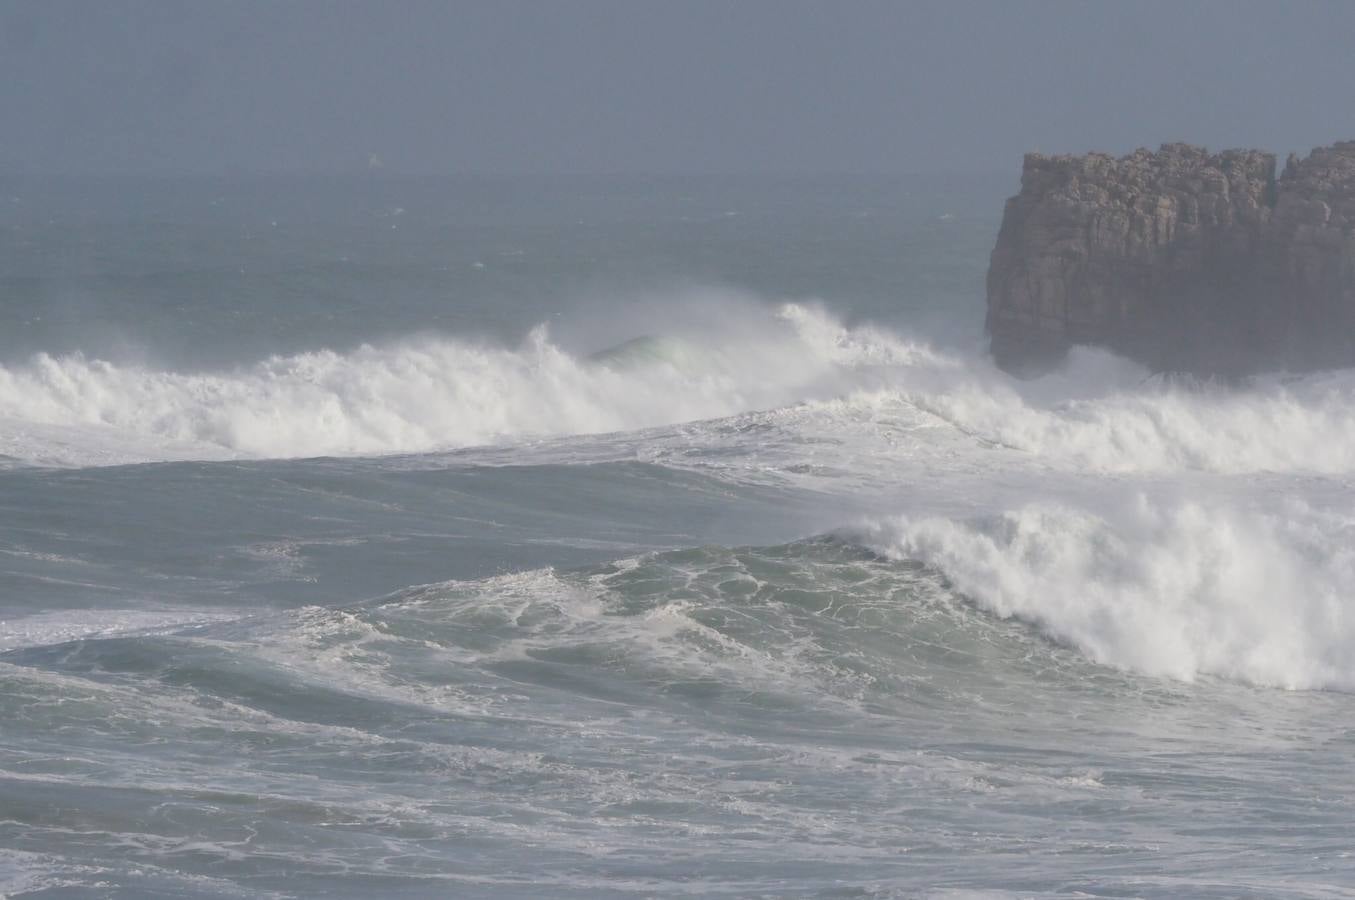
x,y
604,538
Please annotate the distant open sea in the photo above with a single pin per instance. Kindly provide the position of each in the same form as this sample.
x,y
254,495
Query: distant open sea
x,y
618,537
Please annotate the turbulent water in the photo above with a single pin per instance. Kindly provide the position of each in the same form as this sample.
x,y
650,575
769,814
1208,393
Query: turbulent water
x,y
608,538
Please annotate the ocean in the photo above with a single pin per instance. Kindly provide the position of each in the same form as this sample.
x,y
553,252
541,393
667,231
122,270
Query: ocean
x,y
621,537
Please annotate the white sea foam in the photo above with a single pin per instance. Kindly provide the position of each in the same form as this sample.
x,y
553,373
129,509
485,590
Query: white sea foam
x,y
1178,589
419,394
60,626
1104,414
1099,414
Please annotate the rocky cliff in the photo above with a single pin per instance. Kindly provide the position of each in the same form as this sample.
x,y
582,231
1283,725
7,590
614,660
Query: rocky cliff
x,y
1185,260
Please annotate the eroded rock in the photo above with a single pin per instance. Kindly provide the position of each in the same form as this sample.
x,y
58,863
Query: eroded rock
x,y
1184,260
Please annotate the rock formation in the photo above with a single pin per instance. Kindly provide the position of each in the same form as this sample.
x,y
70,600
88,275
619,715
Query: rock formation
x,y
1184,260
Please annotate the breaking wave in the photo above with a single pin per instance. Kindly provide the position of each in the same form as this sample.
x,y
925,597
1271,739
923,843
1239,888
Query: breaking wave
x,y
425,394
1105,414
1181,590
1099,414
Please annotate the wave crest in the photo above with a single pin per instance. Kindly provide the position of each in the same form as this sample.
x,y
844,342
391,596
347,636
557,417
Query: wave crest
x,y
1101,414
1177,590
430,393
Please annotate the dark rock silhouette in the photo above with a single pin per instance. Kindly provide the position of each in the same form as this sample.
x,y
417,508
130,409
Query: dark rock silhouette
x,y
1187,261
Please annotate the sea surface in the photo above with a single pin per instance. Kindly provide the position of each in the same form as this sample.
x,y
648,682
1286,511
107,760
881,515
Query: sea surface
x,y
618,537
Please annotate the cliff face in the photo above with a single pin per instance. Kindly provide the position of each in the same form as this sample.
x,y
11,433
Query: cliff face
x,y
1182,259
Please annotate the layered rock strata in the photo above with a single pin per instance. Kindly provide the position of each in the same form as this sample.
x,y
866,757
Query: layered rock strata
x,y
1184,260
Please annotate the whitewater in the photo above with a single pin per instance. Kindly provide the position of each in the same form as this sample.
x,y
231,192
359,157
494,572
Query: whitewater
x,y
514,580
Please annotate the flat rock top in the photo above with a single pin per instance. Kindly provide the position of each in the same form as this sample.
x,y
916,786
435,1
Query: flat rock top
x,y
1178,166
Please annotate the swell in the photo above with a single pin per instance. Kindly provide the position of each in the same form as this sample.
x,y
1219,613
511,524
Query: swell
x,y
782,697
821,624
903,610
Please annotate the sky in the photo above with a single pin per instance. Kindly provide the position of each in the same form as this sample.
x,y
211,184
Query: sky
x,y
656,86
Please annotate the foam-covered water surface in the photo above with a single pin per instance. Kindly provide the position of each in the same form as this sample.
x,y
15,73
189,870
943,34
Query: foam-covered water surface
x,y
601,543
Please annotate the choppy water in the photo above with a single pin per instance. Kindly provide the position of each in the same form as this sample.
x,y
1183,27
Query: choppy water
x,y
605,538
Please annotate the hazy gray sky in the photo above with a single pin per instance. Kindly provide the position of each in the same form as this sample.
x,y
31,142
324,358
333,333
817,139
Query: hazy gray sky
x,y
638,86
